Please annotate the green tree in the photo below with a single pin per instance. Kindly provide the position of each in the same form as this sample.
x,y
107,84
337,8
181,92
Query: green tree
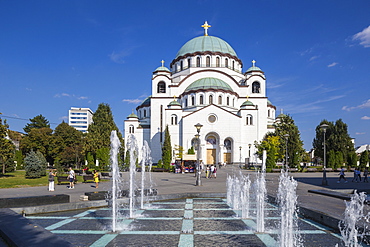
x,y
364,159
270,143
167,149
179,151
90,160
99,131
336,139
38,139
18,157
33,165
67,145
102,154
7,148
294,144
37,122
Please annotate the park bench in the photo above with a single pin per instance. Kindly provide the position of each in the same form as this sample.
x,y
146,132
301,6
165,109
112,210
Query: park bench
x,y
312,169
64,179
276,170
329,169
160,170
87,178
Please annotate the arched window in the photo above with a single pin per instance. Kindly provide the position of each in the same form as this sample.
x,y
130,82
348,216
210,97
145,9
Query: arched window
x,y
201,100
226,63
186,102
268,113
192,100
189,61
256,87
211,99
220,100
181,66
233,65
227,144
208,62
217,62
174,119
233,102
249,120
144,113
198,61
161,87
227,101
131,129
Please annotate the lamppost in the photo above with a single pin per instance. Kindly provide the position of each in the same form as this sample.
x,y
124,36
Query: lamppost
x,y
324,181
198,182
249,154
240,156
286,151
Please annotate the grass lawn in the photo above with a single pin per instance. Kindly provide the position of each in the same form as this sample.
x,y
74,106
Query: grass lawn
x,y
17,180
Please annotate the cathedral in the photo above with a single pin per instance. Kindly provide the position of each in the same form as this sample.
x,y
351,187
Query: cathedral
x,y
205,86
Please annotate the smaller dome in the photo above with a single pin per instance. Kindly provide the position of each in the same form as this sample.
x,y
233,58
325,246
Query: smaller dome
x,y
146,102
209,83
174,103
269,102
162,68
132,115
254,68
247,103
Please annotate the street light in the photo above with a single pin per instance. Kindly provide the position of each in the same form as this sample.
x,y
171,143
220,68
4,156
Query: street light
x,y
324,181
198,182
240,157
286,151
249,154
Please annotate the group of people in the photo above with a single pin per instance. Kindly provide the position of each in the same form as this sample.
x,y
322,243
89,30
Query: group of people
x,y
211,171
71,178
356,175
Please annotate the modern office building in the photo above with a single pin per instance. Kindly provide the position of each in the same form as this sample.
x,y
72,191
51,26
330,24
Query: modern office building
x,y
205,84
80,118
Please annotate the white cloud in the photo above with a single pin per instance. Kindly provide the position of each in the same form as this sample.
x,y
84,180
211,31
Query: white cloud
x,y
363,36
365,118
59,95
360,133
332,64
366,104
64,118
132,101
314,58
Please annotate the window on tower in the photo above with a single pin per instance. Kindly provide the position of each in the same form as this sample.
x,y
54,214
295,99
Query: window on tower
x,y
217,62
208,62
211,99
220,100
174,119
249,120
201,100
226,63
256,87
131,129
161,87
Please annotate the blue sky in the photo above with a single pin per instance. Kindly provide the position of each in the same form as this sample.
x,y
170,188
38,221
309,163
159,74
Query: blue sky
x,y
60,54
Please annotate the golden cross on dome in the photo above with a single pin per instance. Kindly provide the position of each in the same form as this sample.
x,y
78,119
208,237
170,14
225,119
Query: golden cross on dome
x,y
254,63
206,26
162,63
247,97
174,97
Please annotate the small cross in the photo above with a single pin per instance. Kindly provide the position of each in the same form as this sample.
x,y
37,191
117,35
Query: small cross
x,y
174,97
254,63
247,97
162,63
206,26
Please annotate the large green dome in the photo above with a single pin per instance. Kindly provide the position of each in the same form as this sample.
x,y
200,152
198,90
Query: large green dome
x,y
208,83
206,43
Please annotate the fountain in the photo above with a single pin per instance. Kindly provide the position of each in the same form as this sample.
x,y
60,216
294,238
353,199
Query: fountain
x,y
115,145
287,200
353,217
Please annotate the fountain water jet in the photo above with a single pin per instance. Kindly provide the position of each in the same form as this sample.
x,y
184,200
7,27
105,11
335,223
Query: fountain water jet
x,y
115,145
287,199
261,200
133,150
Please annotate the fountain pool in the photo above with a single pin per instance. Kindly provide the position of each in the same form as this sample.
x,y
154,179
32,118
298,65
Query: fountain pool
x,y
179,222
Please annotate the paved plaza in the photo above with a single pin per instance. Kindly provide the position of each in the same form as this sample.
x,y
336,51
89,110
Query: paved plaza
x,y
211,221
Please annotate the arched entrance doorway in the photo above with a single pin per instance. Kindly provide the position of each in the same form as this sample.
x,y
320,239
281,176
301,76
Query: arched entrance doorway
x,y
212,149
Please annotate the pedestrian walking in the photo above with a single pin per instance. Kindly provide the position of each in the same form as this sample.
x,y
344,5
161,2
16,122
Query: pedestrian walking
x,y
358,175
342,175
355,178
71,177
366,173
96,179
207,171
51,180
212,168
